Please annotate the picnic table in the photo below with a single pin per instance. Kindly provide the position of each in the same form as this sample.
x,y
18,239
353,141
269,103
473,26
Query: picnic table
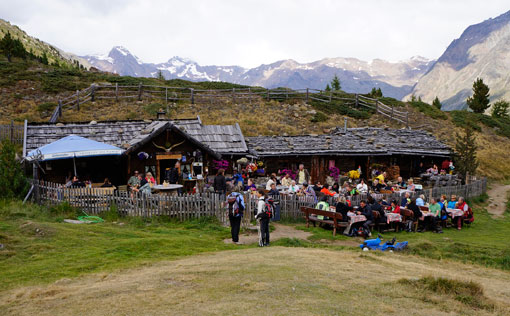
x,y
356,218
393,217
454,212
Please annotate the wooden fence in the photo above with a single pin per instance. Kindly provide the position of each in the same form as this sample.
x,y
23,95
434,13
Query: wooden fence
x,y
237,95
12,132
184,207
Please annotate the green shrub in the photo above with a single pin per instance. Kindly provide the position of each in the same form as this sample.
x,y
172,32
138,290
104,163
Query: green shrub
x,y
153,108
319,117
46,107
392,101
474,121
13,183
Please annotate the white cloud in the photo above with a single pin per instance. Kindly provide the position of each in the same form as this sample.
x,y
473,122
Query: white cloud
x,y
250,32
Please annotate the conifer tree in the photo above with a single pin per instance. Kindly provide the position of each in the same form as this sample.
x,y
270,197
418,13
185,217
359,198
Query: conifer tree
x,y
335,83
379,93
465,148
328,88
436,103
373,93
500,108
160,75
479,101
13,183
12,47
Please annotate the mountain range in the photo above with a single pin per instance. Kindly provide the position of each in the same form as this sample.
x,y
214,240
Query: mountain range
x,y
482,51
395,79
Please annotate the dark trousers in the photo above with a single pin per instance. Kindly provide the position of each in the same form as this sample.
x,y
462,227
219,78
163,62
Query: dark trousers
x,y
235,225
264,232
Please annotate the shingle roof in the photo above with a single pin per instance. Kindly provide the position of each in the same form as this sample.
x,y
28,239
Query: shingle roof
x,y
355,141
223,139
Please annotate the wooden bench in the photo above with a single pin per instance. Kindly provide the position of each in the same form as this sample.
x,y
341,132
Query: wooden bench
x,y
334,219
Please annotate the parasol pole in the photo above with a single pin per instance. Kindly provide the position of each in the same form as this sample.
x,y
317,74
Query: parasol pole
x,y
74,165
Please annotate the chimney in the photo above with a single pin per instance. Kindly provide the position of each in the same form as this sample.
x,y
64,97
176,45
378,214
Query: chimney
x,y
161,114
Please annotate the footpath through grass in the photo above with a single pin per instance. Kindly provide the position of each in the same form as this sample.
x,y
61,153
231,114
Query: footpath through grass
x,y
39,248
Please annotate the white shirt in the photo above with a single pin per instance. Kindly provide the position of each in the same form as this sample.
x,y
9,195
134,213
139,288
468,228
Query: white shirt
x,y
260,206
362,188
268,185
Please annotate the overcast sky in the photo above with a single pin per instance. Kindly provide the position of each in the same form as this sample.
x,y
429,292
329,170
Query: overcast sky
x,y
251,32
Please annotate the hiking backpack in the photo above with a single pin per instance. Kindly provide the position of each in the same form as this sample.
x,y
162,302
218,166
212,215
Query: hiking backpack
x,y
269,208
235,208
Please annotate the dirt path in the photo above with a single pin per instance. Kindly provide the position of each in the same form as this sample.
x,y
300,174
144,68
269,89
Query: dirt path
x,y
497,199
280,231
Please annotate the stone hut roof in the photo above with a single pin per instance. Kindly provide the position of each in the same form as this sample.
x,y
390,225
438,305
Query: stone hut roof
x,y
129,135
352,142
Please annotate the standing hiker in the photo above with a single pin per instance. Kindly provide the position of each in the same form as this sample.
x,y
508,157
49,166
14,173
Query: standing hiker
x,y
263,216
235,207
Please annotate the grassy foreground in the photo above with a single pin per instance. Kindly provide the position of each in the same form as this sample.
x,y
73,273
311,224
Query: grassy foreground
x,y
39,248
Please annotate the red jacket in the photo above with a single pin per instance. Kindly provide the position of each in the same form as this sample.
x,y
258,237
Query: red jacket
x,y
327,192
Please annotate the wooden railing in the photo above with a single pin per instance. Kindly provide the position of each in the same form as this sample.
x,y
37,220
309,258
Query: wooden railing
x,y
184,207
237,95
12,132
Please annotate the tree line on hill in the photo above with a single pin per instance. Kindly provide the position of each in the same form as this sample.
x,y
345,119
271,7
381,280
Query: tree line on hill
x,y
13,47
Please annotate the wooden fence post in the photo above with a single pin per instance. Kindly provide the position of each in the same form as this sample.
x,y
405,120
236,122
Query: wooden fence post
x,y
392,112
116,92
92,92
330,95
78,100
166,95
407,120
376,105
249,95
357,100
307,95
192,95
267,97
140,91
234,95
59,108
11,132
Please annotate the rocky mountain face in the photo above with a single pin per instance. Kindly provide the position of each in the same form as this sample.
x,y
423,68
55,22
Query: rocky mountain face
x,y
395,79
483,50
39,47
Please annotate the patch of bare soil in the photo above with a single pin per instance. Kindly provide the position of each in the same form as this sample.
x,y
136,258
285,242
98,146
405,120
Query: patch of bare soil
x,y
498,196
280,231
264,281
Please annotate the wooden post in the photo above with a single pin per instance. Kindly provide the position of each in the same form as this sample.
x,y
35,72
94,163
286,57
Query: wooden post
x,y
307,95
392,111
140,91
166,95
249,95
36,181
11,132
267,95
407,120
357,100
59,108
192,95
376,105
78,100
330,95
210,96
116,92
92,92
234,95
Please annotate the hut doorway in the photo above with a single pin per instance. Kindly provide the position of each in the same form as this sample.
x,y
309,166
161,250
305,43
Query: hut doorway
x,y
164,162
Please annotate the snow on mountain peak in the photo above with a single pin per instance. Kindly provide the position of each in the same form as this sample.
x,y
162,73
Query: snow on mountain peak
x,y
121,49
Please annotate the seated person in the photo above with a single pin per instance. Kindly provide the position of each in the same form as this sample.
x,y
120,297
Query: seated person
x,y
401,184
271,180
453,202
405,200
410,185
326,190
144,187
365,210
308,190
389,186
362,187
76,183
335,188
273,191
293,188
395,208
376,206
417,214
343,207
431,221
275,178
250,186
382,178
323,205
420,201
150,178
317,187
468,214
286,180
376,186
106,183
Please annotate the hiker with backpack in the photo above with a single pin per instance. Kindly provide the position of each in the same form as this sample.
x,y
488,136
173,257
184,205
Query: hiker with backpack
x,y
265,211
235,208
